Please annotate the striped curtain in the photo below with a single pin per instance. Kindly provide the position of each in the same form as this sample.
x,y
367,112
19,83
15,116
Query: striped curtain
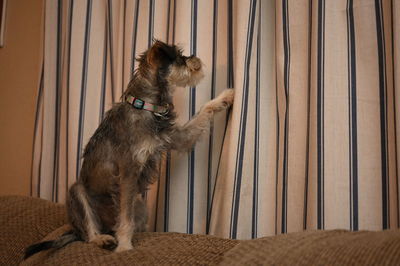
x,y
310,143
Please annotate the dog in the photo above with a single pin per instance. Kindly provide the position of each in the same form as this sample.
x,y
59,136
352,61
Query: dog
x,y
105,206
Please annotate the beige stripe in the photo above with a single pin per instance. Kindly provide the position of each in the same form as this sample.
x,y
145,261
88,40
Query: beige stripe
x,y
62,162
77,43
298,94
337,196
129,31
393,212
268,130
369,146
161,20
203,95
117,42
49,98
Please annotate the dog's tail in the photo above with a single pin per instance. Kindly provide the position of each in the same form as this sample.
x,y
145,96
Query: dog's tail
x,y
60,242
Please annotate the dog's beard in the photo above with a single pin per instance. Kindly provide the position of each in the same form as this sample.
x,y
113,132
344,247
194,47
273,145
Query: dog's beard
x,y
182,76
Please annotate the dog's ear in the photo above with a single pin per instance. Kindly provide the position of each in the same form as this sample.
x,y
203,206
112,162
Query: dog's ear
x,y
161,54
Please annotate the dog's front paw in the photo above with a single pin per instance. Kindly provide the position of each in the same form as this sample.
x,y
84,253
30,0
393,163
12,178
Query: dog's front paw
x,y
223,101
226,97
123,247
104,241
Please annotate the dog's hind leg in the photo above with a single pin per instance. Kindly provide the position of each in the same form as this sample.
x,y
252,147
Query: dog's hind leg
x,y
83,217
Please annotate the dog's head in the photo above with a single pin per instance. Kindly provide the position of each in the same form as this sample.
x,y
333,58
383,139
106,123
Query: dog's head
x,y
169,64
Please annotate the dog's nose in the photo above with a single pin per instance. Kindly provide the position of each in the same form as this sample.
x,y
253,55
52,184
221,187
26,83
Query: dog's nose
x,y
194,63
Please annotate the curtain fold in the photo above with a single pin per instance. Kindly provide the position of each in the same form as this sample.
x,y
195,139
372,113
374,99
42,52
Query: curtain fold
x,y
310,143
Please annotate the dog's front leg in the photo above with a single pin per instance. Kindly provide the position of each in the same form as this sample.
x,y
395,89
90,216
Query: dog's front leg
x,y
184,137
126,224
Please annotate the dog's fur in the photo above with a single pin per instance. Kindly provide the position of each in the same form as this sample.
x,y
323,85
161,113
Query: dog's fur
x,y
105,206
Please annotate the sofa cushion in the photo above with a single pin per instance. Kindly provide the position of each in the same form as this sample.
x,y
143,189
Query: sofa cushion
x,y
336,247
24,221
27,220
148,249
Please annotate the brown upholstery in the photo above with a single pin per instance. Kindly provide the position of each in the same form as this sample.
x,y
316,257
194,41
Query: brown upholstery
x,y
336,247
25,220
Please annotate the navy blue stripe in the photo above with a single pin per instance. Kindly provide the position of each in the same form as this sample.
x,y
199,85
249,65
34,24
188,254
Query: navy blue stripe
x,y
70,15
193,37
174,24
286,47
83,86
256,133
353,120
134,37
58,105
151,24
190,205
383,112
305,211
211,138
230,77
192,111
349,103
104,76
243,122
168,21
320,115
110,34
167,191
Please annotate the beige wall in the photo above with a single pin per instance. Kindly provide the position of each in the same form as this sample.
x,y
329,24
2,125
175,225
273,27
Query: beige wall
x,y
19,78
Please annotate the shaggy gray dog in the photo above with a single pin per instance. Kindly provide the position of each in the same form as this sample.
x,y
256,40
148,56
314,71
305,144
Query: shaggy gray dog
x,y
105,206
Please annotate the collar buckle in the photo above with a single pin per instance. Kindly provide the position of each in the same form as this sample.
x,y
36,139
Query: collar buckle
x,y
138,104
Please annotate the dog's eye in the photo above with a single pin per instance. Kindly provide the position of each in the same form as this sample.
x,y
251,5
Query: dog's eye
x,y
180,60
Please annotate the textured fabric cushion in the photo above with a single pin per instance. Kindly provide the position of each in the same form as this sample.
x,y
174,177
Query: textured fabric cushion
x,y
148,249
337,247
24,221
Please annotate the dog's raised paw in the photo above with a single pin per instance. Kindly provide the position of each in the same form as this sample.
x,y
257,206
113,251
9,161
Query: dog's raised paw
x,y
223,101
227,97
